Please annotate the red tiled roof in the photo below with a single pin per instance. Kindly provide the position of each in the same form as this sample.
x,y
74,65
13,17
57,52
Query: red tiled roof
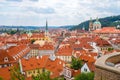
x,y
5,73
38,35
4,54
102,42
46,47
65,51
91,66
56,66
33,63
107,30
15,50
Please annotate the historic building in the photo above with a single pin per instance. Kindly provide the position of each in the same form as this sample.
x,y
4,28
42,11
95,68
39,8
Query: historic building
x,y
90,25
94,26
34,66
107,31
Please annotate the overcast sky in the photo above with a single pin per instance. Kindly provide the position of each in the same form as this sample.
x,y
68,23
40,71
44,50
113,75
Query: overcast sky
x,y
57,12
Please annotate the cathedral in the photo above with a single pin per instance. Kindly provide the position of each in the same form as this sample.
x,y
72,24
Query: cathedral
x,y
94,25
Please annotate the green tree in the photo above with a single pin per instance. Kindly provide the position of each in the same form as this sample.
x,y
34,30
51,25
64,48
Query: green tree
x,y
32,41
76,63
110,49
59,78
16,74
1,78
85,76
13,32
42,76
45,76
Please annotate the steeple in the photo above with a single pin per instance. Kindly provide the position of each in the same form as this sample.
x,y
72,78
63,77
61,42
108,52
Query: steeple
x,y
46,28
97,19
90,24
90,19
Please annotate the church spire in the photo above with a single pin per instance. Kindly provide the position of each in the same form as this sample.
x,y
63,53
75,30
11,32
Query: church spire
x,y
97,19
90,24
90,19
46,28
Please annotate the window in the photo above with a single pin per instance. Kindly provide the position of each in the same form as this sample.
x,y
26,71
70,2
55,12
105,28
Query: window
x,y
6,59
43,70
29,72
85,69
33,71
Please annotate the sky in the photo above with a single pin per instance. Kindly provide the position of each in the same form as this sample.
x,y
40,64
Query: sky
x,y
56,12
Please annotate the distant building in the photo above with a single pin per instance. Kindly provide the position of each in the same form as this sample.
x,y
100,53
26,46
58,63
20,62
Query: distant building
x,y
90,25
107,31
94,26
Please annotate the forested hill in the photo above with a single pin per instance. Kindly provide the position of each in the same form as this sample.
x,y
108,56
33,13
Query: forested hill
x,y
107,21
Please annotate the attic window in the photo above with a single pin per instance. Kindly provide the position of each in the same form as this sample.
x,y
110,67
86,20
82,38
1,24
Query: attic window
x,y
6,59
85,69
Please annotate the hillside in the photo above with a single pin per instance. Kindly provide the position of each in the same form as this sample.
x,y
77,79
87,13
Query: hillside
x,y
107,21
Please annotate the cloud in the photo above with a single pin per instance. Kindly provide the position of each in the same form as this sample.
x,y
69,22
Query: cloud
x,y
47,10
34,0
58,12
15,0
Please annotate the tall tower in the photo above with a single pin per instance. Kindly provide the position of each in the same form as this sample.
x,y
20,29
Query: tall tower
x,y
46,29
90,25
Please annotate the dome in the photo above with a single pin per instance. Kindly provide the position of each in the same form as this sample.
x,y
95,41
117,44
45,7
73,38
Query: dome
x,y
97,22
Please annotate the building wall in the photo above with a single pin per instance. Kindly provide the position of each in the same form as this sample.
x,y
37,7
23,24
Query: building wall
x,y
37,52
65,58
105,48
33,72
45,52
85,68
105,71
33,53
101,74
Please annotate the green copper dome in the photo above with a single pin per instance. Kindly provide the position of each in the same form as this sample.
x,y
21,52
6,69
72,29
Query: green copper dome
x,y
97,22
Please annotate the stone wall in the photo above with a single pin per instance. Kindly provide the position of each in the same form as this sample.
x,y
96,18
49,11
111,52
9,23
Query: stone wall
x,y
101,74
107,72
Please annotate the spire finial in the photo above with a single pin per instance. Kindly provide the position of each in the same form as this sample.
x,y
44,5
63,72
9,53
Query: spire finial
x,y
46,26
90,18
97,19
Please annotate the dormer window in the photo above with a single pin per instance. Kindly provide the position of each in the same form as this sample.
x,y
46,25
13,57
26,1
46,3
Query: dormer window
x,y
85,69
6,59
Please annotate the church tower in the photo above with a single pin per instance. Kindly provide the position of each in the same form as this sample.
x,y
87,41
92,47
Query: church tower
x,y
90,25
46,29
96,24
